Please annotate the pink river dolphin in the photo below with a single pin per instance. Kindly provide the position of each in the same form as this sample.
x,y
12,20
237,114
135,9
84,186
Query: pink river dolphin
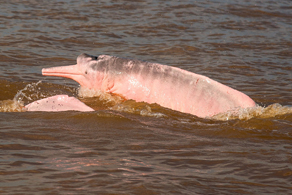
x,y
167,86
58,103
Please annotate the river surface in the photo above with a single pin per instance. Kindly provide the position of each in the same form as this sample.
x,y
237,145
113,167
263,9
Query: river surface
x,y
133,147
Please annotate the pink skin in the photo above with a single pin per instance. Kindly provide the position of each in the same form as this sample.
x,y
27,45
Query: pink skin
x,y
58,103
170,87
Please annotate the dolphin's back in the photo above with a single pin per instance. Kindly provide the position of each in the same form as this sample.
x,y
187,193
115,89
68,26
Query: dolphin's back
x,y
173,88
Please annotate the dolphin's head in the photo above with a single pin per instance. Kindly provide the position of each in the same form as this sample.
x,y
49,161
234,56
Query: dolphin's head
x,y
89,71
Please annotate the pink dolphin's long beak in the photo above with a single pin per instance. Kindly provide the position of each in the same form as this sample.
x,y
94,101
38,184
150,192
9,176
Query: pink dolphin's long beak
x,y
71,72
62,71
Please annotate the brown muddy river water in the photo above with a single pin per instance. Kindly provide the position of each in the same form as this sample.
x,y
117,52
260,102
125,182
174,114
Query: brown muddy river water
x,y
133,147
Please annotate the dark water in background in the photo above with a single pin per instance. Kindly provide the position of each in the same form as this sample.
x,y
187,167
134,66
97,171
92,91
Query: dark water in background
x,y
136,148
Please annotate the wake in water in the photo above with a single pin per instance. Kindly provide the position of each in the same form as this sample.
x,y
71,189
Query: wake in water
x,y
118,103
255,112
11,106
99,100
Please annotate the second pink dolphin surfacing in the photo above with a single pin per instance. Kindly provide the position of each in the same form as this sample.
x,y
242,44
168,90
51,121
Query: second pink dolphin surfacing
x,y
58,103
167,86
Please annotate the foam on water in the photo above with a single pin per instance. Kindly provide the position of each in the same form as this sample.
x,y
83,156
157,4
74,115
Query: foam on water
x,y
270,111
118,103
102,96
140,108
11,106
